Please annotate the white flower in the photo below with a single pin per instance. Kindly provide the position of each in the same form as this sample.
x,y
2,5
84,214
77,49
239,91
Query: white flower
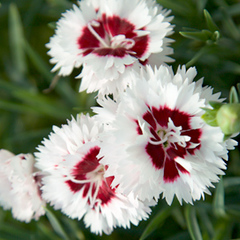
x,y
157,141
74,179
109,37
19,186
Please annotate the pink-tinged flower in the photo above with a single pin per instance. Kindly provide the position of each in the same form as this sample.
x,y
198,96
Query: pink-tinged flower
x,y
74,179
157,141
19,186
109,37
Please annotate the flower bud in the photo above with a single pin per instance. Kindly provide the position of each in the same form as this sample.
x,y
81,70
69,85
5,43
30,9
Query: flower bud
x,y
228,118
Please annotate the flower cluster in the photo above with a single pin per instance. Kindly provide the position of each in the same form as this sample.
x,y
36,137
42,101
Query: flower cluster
x,y
147,138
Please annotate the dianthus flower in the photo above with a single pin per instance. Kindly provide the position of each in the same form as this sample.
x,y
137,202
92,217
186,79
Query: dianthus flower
x,y
109,37
74,179
19,186
157,142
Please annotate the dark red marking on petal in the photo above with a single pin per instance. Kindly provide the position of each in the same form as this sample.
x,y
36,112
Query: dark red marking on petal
x,y
108,28
195,135
89,163
176,151
182,169
88,51
156,137
86,165
115,25
75,187
162,115
116,52
157,155
87,40
144,63
170,170
164,155
141,46
181,119
139,130
106,193
148,117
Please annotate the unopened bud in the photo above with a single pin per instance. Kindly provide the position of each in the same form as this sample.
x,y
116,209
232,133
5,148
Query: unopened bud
x,y
228,118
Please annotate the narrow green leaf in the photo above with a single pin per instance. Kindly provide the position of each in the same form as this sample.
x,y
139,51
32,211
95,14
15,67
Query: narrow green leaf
x,y
238,88
192,223
233,9
62,3
8,236
65,90
62,88
223,230
156,222
199,36
52,25
179,217
233,95
27,136
232,67
47,232
16,107
231,181
218,201
56,224
200,5
210,23
233,211
20,234
215,105
207,33
176,6
7,86
42,103
16,39
199,54
179,236
206,222
37,61
36,103
73,227
230,25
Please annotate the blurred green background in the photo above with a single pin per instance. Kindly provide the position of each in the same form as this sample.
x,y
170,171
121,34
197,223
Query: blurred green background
x,y
29,108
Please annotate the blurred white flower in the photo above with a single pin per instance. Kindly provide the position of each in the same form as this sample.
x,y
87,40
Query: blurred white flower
x,y
20,186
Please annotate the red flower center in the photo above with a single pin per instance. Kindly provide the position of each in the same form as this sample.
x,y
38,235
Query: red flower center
x,y
112,36
168,143
88,174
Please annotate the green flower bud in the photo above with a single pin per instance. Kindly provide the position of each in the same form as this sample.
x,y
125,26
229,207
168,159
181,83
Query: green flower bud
x,y
228,118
